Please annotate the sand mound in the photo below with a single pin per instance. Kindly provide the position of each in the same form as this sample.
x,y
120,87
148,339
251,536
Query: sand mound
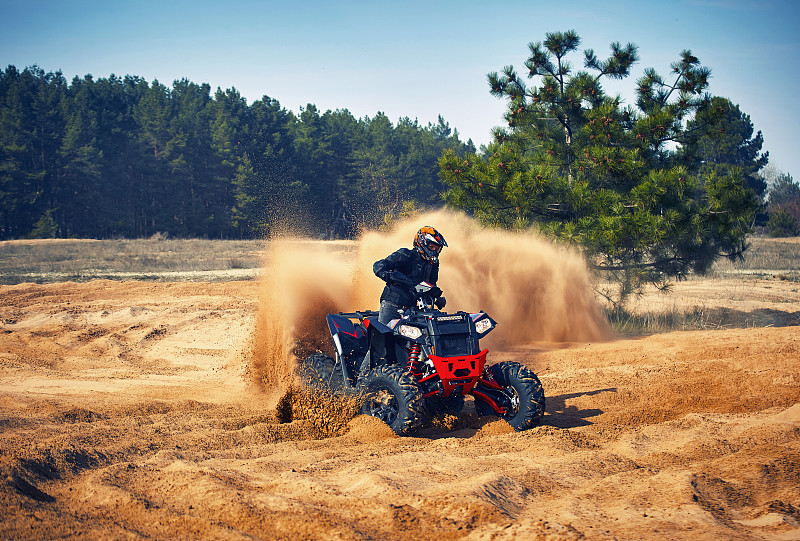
x,y
143,424
494,427
790,415
328,415
366,429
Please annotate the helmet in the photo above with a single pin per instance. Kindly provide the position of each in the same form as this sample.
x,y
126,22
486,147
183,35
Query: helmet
x,y
429,243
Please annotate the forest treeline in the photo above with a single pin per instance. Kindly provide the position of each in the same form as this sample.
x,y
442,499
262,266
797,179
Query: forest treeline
x,y
122,157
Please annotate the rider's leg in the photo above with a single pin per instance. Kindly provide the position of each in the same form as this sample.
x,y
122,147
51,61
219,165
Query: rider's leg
x,y
388,312
379,348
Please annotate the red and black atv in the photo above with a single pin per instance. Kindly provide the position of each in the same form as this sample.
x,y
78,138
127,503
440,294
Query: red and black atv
x,y
429,361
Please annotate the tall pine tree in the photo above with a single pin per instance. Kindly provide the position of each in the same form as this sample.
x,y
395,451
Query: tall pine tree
x,y
586,170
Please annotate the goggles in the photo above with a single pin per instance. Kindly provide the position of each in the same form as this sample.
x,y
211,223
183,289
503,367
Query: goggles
x,y
433,247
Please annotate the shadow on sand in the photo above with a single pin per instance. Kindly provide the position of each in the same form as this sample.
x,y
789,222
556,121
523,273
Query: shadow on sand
x,y
560,415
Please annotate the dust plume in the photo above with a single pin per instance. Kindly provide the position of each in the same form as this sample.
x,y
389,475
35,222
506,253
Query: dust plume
x,y
533,289
302,281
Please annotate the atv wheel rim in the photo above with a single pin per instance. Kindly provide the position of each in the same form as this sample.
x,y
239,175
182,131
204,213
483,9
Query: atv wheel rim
x,y
383,405
514,399
511,401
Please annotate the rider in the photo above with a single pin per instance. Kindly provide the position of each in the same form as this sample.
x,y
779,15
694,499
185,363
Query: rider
x,y
402,271
406,268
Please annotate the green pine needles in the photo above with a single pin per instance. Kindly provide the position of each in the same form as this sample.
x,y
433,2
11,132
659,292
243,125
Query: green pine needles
x,y
632,187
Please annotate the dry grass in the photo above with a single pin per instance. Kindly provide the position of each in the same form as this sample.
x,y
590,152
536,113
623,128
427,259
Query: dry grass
x,y
636,322
770,272
765,256
762,290
140,259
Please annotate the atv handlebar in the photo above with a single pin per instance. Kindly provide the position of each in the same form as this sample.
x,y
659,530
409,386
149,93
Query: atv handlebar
x,y
426,295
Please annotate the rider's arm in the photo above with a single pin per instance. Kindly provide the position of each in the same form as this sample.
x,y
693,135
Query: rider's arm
x,y
440,301
388,269
435,274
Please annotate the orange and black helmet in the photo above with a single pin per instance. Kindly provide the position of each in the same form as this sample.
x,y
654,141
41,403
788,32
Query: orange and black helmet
x,y
429,243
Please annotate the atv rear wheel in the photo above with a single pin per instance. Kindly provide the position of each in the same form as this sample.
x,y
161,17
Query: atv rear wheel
x,y
315,371
522,397
393,396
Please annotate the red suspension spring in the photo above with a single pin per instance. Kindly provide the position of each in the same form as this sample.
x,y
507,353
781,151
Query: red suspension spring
x,y
413,360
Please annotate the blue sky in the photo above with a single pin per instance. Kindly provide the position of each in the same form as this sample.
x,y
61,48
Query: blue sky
x,y
416,59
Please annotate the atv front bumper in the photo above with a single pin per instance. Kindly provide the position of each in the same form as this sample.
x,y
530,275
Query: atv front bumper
x,y
461,372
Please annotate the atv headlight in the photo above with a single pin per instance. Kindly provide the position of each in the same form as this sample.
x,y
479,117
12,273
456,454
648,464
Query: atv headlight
x,y
483,325
410,331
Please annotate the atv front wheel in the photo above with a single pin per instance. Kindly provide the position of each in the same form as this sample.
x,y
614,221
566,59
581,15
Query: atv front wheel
x,y
522,396
393,396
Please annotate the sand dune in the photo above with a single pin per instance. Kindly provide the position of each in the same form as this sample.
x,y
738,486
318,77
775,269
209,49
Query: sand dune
x,y
130,410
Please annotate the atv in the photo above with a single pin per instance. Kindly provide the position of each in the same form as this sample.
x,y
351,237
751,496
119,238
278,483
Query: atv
x,y
422,363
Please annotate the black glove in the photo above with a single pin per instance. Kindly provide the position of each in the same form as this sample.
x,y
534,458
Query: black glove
x,y
440,302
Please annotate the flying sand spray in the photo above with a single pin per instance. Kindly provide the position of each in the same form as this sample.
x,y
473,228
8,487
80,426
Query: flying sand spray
x,y
536,291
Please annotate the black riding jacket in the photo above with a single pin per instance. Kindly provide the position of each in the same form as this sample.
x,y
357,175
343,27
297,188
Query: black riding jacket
x,y
401,271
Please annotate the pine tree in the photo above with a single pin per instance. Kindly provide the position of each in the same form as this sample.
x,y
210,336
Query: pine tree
x,y
589,172
783,206
80,168
264,179
719,137
124,157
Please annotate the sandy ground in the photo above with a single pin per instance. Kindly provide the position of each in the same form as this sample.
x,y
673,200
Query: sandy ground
x,y
128,411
